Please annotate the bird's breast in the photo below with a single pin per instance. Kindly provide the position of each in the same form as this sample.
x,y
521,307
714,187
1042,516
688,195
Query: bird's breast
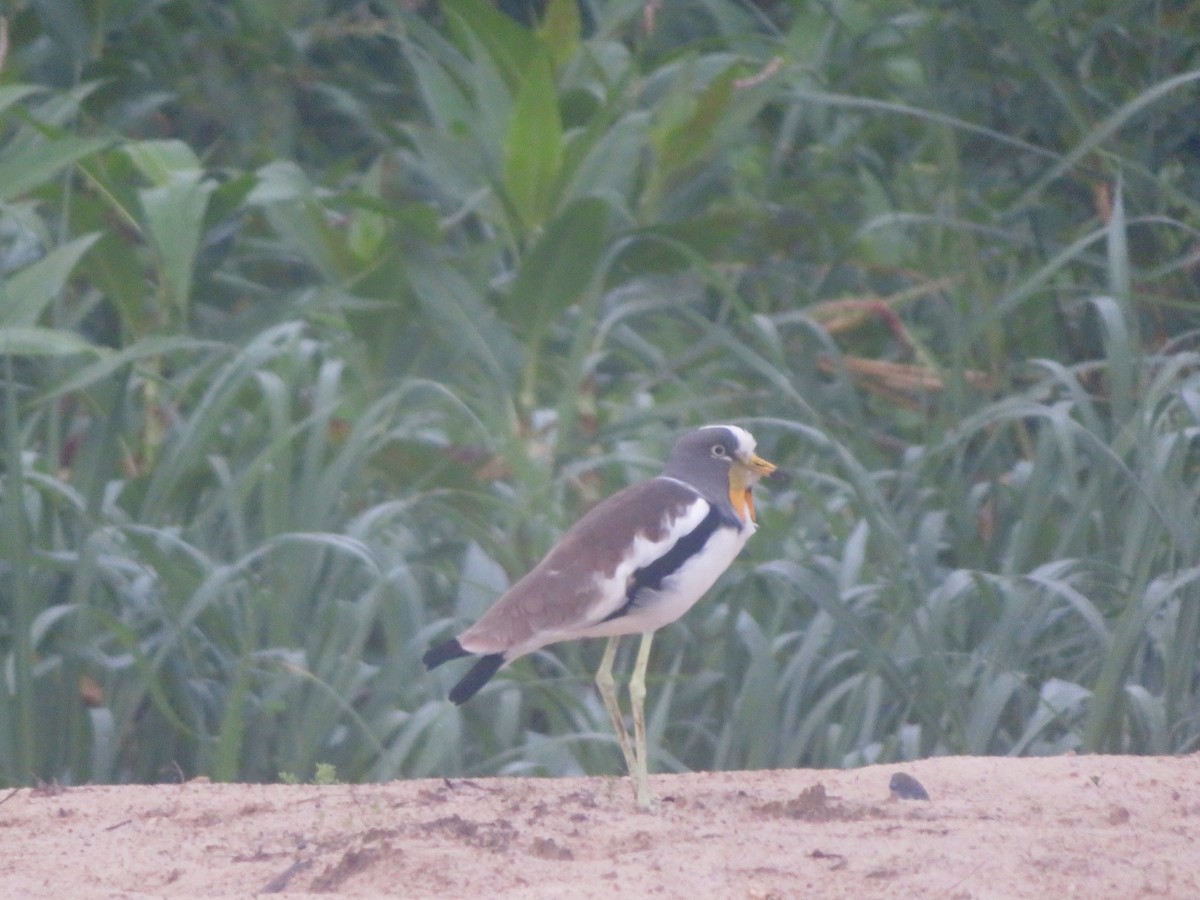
x,y
678,591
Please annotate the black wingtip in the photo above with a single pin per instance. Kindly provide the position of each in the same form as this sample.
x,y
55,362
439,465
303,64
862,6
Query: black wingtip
x,y
435,656
481,673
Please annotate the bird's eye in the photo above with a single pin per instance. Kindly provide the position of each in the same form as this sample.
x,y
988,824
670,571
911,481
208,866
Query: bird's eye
x,y
718,450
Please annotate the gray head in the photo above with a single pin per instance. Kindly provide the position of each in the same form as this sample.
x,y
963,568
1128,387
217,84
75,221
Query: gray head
x,y
718,460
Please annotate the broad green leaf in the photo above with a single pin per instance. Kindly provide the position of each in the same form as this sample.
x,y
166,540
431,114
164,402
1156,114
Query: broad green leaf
x,y
175,207
110,204
36,162
561,265
294,211
688,134
20,341
510,46
15,93
60,110
457,167
280,181
161,161
491,100
607,161
366,234
175,218
448,107
229,198
560,30
461,317
27,293
305,227
115,267
533,153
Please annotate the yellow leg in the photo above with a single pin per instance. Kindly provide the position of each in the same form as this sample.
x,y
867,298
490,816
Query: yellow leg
x,y
637,700
608,693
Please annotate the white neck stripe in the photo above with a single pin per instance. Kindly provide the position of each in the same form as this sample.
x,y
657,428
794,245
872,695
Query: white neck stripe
x,y
690,487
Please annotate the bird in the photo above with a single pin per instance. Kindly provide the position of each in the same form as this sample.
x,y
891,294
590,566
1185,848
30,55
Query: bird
x,y
635,562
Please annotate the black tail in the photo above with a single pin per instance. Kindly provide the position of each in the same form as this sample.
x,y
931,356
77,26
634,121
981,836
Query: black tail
x,y
481,673
435,656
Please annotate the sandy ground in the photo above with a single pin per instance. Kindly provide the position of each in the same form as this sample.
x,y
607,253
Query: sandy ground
x,y
1094,826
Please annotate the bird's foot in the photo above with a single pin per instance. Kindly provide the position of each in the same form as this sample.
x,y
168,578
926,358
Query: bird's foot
x,y
645,799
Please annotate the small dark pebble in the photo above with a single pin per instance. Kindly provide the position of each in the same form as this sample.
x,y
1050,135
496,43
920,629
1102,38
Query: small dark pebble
x,y
905,787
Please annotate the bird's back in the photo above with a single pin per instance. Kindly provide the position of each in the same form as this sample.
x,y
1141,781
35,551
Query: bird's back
x,y
585,578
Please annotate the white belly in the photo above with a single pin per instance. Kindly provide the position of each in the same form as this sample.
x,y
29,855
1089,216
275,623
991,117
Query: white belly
x,y
681,589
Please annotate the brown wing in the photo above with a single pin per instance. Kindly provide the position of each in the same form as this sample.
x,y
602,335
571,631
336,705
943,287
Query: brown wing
x,y
574,586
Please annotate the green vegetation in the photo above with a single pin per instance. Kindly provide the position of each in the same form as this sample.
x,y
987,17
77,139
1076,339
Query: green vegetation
x,y
325,776
320,321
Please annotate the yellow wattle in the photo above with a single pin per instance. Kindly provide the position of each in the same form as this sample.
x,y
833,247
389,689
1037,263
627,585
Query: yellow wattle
x,y
740,496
